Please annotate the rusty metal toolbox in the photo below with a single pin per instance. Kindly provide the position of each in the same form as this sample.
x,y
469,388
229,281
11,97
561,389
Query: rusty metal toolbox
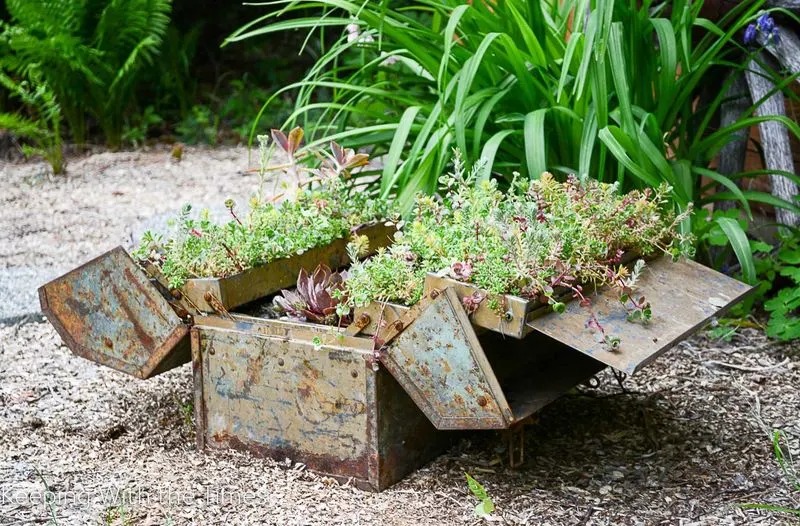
x,y
375,400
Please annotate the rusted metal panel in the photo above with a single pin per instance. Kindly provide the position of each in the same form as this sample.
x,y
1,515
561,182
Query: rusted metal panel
x,y
511,322
406,440
208,294
285,398
685,295
438,360
107,311
381,313
319,404
289,330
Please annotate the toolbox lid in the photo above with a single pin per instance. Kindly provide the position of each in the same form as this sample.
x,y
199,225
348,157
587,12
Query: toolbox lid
x,y
437,358
684,296
109,312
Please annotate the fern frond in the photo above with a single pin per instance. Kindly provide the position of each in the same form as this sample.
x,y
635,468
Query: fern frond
x,y
21,126
89,53
48,17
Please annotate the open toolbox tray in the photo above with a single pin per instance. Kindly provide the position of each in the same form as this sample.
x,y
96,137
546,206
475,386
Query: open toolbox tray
x,y
211,295
370,401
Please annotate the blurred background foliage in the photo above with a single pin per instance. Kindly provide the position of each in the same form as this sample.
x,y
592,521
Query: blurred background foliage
x,y
173,80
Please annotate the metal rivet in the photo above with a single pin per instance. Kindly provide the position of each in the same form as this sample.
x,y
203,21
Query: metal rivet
x,y
482,401
211,351
280,362
354,374
398,325
207,296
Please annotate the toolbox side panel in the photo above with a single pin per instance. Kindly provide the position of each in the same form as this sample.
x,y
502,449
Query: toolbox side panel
x,y
283,398
484,316
406,438
438,360
107,311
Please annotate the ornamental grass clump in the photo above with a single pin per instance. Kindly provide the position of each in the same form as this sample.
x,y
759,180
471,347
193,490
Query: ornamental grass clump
x,y
326,208
541,240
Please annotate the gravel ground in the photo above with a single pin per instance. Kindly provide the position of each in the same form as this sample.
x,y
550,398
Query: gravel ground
x,y
52,224
686,443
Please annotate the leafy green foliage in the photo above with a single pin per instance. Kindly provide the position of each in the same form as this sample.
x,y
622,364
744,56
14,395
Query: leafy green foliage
x,y
779,271
88,52
202,248
138,126
319,214
43,127
612,95
542,240
485,505
199,126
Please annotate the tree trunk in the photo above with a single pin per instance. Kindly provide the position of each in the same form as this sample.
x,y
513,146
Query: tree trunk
x,y
786,51
792,5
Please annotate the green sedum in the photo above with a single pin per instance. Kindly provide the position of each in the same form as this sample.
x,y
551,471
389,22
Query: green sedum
x,y
201,248
539,237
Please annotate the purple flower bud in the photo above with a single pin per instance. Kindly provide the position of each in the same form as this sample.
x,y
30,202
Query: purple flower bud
x,y
765,24
749,35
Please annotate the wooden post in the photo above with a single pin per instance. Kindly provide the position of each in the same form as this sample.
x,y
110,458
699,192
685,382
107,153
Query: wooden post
x,y
774,137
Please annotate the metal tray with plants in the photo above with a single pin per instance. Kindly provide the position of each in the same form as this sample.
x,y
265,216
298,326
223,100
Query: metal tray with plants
x,y
359,369
510,256
212,267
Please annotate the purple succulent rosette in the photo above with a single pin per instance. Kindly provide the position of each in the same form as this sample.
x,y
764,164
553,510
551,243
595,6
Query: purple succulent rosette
x,y
314,299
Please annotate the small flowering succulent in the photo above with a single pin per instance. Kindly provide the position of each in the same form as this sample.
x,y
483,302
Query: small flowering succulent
x,y
323,210
764,26
542,240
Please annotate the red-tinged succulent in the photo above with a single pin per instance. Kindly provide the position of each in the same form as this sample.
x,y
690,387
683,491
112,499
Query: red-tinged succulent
x,y
473,301
461,270
289,143
314,299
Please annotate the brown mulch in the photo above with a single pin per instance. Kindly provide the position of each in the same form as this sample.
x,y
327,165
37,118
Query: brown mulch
x,y
686,443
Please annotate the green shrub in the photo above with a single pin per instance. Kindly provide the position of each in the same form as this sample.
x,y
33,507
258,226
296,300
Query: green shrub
x,y
88,52
779,274
612,95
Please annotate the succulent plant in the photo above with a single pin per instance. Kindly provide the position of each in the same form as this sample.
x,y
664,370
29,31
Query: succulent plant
x,y
314,298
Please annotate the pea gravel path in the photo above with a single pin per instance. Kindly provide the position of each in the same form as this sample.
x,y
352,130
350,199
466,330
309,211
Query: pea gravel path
x,y
685,445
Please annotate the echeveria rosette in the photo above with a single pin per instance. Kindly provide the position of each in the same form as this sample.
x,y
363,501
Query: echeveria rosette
x,y
315,298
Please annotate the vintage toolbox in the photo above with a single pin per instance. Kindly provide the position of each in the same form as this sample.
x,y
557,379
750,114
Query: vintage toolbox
x,y
373,401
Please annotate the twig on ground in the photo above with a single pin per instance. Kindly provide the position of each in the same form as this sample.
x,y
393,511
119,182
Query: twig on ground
x,y
746,368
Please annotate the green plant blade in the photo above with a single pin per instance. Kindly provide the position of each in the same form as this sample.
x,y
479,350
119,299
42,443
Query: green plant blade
x,y
535,153
741,247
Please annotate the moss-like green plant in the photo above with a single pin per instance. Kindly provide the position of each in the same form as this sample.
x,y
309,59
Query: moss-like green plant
x,y
326,208
541,239
201,248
